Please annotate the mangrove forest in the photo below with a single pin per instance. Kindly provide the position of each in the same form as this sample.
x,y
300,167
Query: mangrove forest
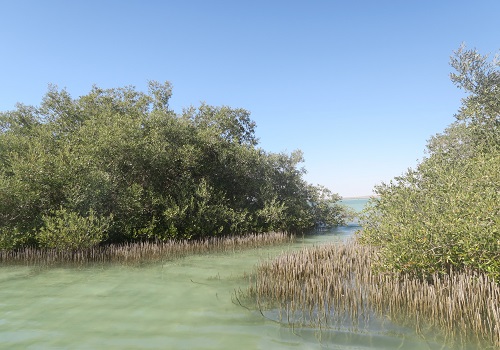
x,y
428,253
118,165
116,176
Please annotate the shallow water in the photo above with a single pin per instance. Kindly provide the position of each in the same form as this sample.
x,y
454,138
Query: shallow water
x,y
183,304
357,204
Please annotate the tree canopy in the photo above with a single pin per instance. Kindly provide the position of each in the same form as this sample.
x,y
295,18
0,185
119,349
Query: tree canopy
x,y
445,214
118,165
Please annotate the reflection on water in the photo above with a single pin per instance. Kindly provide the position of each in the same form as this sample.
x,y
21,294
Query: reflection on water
x,y
182,304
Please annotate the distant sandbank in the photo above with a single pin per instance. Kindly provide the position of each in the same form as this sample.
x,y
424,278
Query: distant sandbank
x,y
360,197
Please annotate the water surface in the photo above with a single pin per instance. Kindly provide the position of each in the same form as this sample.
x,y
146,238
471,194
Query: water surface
x,y
358,204
183,304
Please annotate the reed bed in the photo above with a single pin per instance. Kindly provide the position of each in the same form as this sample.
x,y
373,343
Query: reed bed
x,y
335,286
130,253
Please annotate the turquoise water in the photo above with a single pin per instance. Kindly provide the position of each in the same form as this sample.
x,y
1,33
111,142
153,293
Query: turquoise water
x,y
357,204
183,304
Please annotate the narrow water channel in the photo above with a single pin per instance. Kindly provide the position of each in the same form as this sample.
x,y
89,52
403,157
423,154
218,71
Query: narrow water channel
x,y
182,304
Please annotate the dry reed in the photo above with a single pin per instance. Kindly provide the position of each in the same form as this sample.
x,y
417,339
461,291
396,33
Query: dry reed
x,y
130,253
335,286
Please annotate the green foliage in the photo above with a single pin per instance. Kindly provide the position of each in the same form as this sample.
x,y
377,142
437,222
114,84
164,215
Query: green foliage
x,y
65,230
70,165
13,238
325,207
445,214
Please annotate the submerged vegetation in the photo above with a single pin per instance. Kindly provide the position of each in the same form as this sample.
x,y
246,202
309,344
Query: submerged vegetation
x,y
119,166
334,286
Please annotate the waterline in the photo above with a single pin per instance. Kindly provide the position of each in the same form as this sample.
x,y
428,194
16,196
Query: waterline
x,y
186,303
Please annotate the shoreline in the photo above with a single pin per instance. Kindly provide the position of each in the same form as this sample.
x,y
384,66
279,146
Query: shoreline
x,y
359,197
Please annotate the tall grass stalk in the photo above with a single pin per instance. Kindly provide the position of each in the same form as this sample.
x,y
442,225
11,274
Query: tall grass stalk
x,y
140,252
335,286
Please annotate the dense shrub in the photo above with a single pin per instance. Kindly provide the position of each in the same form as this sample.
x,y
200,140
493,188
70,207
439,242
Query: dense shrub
x,y
66,230
118,165
445,214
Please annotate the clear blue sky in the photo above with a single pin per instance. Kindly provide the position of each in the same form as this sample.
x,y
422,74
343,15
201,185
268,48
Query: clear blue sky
x,y
358,86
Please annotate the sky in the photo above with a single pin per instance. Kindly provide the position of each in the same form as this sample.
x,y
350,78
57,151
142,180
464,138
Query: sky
x,y
359,86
